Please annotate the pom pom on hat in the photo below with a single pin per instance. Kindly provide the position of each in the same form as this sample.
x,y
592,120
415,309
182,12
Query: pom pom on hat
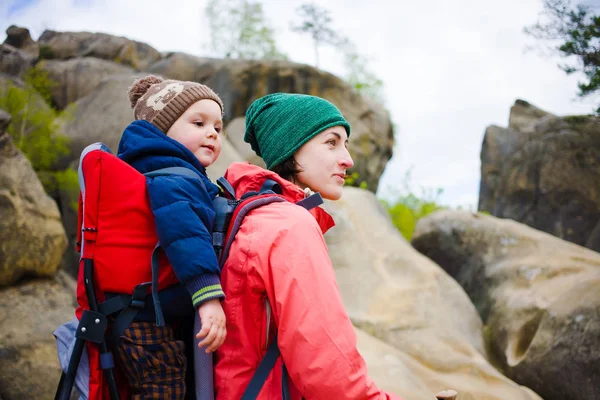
x,y
141,86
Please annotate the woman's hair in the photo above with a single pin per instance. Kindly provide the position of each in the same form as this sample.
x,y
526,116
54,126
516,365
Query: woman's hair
x,y
287,169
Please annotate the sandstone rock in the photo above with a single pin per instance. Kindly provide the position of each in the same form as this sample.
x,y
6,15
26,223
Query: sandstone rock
x,y
239,82
414,379
538,295
523,116
20,38
401,297
77,77
65,45
186,67
545,175
29,313
32,238
228,155
234,131
13,61
101,116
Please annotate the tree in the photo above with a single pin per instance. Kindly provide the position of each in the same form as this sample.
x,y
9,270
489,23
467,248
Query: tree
x,y
238,29
577,31
358,73
317,22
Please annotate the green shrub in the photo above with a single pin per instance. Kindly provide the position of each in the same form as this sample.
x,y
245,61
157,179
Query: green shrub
x,y
407,208
34,128
353,180
46,52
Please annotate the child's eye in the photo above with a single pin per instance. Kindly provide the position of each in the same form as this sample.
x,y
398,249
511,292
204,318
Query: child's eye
x,y
199,123
218,129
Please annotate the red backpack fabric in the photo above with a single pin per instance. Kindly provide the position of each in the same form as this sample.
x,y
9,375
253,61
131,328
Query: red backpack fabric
x,y
112,192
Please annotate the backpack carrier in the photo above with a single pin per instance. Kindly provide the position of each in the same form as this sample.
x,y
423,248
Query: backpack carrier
x,y
117,238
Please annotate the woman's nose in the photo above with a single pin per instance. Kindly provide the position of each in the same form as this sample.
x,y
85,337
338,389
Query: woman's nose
x,y
346,160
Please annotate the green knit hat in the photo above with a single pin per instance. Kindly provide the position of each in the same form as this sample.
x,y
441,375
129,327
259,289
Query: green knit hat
x,y
278,124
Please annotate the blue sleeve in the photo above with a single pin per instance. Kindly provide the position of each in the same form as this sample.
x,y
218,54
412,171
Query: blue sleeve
x,y
184,216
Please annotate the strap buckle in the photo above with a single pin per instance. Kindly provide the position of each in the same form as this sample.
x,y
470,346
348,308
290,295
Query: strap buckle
x,y
138,297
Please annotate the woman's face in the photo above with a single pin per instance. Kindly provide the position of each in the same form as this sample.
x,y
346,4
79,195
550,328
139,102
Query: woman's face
x,y
324,160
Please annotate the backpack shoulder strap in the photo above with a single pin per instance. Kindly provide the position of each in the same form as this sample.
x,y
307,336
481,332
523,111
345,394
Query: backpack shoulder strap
x,y
226,187
262,372
311,201
155,253
175,171
241,211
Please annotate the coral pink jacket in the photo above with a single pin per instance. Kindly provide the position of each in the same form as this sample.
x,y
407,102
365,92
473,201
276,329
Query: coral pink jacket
x,y
279,279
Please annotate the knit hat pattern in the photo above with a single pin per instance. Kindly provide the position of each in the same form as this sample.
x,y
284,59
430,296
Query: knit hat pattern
x,y
278,124
161,102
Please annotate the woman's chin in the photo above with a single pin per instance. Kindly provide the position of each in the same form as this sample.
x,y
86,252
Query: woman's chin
x,y
332,194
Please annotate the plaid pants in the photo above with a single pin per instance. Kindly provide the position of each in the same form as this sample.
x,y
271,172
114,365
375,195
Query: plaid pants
x,y
153,361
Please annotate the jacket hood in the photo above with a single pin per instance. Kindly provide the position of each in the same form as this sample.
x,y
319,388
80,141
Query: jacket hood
x,y
245,177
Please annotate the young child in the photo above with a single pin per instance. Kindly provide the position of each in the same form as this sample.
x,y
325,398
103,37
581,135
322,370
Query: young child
x,y
177,124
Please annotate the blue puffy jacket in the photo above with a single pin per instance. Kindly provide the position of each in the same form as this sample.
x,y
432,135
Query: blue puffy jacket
x,y
182,207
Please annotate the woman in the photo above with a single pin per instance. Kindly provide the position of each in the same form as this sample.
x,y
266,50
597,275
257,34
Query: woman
x,y
278,278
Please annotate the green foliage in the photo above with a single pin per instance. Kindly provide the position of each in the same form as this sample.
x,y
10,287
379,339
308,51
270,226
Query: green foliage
x,y
316,22
33,128
576,119
577,31
238,30
38,80
63,183
407,208
359,75
46,52
353,180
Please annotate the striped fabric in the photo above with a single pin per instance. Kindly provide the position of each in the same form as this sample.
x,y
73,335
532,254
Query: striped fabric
x,y
207,293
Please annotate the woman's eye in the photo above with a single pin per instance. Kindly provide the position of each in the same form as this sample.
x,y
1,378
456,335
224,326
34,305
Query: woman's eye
x,y
331,142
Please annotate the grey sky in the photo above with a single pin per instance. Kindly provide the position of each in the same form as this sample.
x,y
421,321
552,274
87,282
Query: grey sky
x,y
450,69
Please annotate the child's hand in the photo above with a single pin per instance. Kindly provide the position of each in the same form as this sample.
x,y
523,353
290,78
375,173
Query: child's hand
x,y
213,329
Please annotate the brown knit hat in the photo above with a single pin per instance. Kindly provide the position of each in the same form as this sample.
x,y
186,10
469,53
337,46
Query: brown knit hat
x,y
161,102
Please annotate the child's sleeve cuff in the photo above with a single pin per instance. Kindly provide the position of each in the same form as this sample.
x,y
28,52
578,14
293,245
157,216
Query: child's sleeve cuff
x,y
205,287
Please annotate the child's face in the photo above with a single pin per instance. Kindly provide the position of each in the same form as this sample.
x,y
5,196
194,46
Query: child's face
x,y
324,160
199,130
